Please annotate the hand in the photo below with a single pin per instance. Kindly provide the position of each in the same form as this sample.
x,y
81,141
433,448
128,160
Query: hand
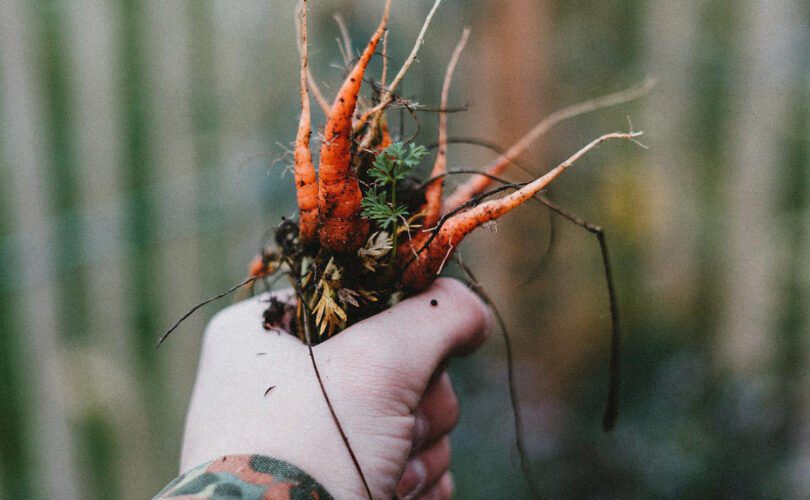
x,y
385,379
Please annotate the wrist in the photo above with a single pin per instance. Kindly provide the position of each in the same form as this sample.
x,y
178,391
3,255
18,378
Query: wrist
x,y
250,476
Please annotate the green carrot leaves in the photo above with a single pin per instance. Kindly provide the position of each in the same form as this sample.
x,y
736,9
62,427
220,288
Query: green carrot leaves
x,y
392,165
377,208
395,162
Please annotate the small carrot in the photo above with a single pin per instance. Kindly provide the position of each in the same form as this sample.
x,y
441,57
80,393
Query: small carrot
x,y
420,271
377,133
260,267
342,229
386,140
257,267
433,193
305,180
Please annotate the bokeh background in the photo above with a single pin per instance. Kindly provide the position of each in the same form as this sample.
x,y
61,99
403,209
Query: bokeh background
x,y
142,153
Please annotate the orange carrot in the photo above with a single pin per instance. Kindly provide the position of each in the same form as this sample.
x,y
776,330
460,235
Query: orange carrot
x,y
421,270
342,229
386,139
386,135
378,135
433,193
306,187
257,267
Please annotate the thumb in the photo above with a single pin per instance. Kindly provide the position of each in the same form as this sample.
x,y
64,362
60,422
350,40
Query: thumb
x,y
417,335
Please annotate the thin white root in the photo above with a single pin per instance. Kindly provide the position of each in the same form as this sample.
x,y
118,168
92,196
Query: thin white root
x,y
433,193
491,210
476,184
384,60
446,256
448,79
346,47
302,52
388,93
316,93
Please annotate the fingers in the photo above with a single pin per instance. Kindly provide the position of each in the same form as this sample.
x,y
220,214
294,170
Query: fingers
x,y
436,416
425,470
442,490
437,413
421,332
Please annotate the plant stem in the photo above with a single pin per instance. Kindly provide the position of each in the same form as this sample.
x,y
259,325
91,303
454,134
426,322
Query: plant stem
x,y
394,225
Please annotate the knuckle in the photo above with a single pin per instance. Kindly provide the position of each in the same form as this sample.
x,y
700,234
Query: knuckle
x,y
450,407
241,318
460,296
217,326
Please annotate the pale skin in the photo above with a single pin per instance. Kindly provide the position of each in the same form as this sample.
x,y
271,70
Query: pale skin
x,y
385,377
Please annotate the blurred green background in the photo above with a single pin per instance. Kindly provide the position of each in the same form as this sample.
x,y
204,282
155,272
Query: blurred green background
x,y
142,151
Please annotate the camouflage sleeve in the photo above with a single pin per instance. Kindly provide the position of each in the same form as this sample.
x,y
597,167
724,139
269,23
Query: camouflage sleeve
x,y
245,477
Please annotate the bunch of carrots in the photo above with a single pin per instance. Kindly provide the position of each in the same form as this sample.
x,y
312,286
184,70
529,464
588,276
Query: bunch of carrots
x,y
368,232
357,249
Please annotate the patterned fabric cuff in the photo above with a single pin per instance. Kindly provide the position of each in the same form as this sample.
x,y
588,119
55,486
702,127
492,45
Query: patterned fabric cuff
x,y
245,477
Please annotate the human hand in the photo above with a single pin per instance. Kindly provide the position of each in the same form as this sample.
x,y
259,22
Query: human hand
x,y
385,379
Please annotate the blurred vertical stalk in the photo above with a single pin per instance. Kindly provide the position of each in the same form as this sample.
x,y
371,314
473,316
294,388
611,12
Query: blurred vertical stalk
x,y
247,73
507,84
22,136
206,122
16,479
671,43
766,58
168,53
142,227
800,434
115,414
58,130
756,243
510,93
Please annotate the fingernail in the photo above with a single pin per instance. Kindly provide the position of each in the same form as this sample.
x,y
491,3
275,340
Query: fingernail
x,y
412,479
